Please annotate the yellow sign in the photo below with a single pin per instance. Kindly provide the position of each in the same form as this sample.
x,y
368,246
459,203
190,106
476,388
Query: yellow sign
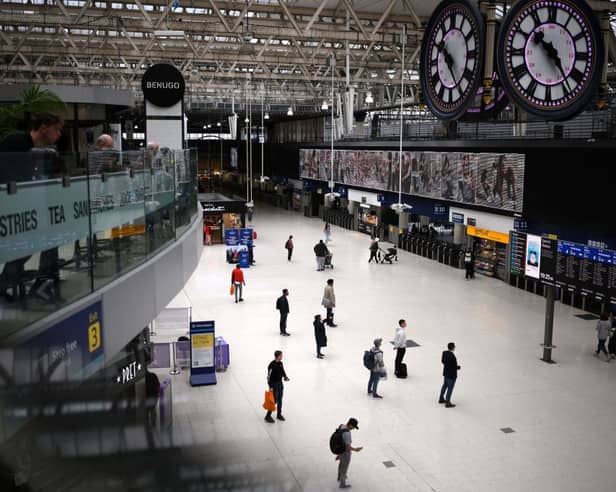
x,y
94,336
202,341
499,237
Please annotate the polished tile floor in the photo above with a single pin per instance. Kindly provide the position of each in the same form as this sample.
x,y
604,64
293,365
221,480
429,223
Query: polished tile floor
x,y
563,415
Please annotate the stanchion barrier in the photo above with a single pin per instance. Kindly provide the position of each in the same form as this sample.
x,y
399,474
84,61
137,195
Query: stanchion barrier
x,y
174,366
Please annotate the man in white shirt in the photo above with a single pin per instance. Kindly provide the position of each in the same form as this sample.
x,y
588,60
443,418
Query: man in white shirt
x,y
400,348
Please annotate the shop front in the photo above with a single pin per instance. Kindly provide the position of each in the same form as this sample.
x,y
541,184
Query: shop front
x,y
221,213
490,251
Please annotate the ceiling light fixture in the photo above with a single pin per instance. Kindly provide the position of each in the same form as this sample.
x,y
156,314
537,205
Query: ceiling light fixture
x,y
369,98
324,106
290,111
266,116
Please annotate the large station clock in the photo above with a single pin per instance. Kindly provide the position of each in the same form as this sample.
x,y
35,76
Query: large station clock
x,y
549,56
452,58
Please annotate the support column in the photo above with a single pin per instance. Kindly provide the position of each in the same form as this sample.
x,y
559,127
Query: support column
x,y
459,230
549,325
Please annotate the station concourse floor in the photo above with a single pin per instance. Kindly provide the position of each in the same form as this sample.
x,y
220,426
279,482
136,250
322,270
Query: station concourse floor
x,y
563,415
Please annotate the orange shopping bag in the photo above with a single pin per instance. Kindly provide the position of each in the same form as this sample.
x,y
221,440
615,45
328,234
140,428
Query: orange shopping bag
x,y
270,403
232,289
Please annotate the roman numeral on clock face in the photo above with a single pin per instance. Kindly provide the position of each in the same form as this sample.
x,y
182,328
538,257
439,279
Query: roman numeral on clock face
x,y
517,52
578,36
548,93
552,11
576,75
434,79
581,56
468,74
535,16
520,71
532,87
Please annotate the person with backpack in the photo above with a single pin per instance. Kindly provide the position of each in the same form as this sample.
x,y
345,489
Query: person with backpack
x,y
282,304
340,444
289,247
373,361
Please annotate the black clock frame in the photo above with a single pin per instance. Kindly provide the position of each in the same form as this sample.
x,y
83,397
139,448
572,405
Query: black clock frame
x,y
581,101
424,61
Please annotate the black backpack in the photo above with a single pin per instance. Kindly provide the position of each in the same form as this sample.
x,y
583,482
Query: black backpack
x,y
369,359
336,441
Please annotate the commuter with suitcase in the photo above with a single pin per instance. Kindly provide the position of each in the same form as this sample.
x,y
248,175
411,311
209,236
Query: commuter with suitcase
x,y
400,348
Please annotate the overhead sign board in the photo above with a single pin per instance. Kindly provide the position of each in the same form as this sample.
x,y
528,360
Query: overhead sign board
x,y
163,85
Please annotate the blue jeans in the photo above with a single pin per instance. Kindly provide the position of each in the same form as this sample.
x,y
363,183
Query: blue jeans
x,y
448,385
373,382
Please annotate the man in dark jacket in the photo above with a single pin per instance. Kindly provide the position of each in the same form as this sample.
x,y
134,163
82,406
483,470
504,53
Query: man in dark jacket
x,y
275,375
450,374
282,304
321,251
374,247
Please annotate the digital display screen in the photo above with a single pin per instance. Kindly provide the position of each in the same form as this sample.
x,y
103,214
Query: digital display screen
x,y
533,256
586,270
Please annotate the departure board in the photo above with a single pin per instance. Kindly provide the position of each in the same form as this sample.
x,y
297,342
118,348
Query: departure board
x,y
590,271
577,268
517,244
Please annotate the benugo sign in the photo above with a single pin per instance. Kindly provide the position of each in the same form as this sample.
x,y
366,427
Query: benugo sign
x,y
163,85
499,237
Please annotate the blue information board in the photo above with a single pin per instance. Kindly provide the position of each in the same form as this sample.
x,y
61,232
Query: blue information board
x,y
70,350
202,370
244,259
245,235
232,237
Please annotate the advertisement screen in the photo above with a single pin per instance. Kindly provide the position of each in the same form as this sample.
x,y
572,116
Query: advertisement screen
x,y
494,180
533,256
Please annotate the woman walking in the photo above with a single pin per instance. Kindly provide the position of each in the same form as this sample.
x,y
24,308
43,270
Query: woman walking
x,y
319,335
327,232
603,331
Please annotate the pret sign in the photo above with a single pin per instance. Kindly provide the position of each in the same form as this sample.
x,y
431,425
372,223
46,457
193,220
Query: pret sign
x,y
163,85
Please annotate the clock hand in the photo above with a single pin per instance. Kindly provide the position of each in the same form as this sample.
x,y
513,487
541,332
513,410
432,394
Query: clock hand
x,y
552,53
448,59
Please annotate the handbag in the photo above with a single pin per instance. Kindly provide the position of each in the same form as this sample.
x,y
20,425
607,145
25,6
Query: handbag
x,y
324,342
232,289
326,302
269,402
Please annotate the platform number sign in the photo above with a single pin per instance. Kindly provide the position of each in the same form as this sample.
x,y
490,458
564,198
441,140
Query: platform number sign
x,y
94,332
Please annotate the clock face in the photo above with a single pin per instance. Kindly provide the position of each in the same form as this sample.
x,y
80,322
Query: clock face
x,y
549,56
452,58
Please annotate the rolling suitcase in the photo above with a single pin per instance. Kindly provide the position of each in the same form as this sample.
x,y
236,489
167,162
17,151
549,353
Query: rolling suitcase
x,y
402,373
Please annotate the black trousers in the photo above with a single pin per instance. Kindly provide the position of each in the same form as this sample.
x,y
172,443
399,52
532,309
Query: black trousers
x,y
283,322
399,357
289,253
329,318
373,257
278,390
469,270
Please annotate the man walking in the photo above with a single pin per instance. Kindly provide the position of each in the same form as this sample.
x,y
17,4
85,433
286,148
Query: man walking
x,y
329,302
344,459
282,304
400,348
374,247
468,265
378,368
275,375
237,280
450,374
321,251
289,247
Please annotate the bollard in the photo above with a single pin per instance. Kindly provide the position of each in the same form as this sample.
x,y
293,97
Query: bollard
x,y
175,370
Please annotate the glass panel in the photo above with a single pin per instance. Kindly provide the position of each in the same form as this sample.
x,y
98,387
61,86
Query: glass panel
x,y
66,230
116,185
43,225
